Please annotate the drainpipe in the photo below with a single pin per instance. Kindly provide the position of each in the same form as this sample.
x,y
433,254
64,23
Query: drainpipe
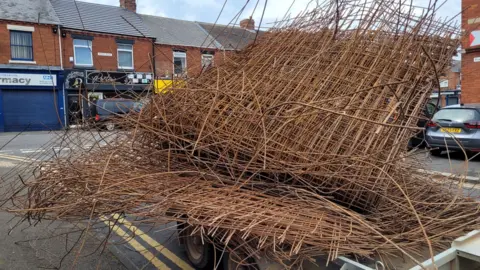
x,y
154,65
60,46
61,67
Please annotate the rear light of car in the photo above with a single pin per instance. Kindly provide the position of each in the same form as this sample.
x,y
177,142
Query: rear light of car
x,y
472,125
97,117
431,124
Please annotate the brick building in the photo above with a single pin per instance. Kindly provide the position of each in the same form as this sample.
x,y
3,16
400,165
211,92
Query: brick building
x,y
182,48
60,55
450,86
103,56
31,77
471,51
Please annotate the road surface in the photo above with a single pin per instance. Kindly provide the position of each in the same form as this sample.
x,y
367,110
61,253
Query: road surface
x,y
153,246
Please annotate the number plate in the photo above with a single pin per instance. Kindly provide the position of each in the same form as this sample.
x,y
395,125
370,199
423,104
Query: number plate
x,y
451,130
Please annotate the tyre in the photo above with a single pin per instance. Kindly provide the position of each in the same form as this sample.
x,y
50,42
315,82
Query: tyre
x,y
199,254
436,152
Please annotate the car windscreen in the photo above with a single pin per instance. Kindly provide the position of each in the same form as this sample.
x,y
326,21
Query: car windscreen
x,y
455,115
114,107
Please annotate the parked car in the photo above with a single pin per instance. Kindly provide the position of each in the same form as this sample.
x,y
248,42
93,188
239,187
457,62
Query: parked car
x,y
107,110
419,139
455,127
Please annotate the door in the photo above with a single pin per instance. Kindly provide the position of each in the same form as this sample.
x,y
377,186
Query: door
x,y
27,110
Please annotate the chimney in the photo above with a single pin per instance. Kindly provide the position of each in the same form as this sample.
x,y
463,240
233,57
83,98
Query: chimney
x,y
248,24
129,4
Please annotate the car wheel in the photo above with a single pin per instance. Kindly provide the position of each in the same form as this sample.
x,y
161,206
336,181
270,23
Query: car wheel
x,y
198,253
110,126
436,152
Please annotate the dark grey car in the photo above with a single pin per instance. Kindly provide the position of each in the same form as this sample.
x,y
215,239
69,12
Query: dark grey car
x,y
455,127
107,110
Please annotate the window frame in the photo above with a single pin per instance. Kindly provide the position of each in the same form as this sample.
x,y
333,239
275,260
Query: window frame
x,y
179,54
212,61
90,47
124,50
31,47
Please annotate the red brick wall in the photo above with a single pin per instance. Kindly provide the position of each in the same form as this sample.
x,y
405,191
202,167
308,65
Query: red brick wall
x,y
164,59
45,44
453,80
142,50
470,69
471,11
470,78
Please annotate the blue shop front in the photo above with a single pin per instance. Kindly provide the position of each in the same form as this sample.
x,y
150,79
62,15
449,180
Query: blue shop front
x,y
31,100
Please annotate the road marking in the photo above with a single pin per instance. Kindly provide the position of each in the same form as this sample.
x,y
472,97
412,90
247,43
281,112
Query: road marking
x,y
16,158
136,245
152,242
455,176
472,182
31,150
7,164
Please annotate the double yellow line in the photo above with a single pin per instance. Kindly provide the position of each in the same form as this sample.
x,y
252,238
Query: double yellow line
x,y
152,258
149,240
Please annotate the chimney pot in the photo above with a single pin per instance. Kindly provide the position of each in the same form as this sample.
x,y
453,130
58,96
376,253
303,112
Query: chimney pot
x,y
248,23
129,4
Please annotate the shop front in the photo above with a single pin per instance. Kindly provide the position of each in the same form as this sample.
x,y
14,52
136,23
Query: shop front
x,y
447,97
31,100
85,87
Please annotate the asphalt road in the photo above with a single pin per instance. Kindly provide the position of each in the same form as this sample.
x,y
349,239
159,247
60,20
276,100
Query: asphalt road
x,y
149,246
154,246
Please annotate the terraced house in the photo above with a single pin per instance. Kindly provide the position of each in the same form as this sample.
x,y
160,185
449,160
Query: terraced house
x,y
106,52
31,77
62,55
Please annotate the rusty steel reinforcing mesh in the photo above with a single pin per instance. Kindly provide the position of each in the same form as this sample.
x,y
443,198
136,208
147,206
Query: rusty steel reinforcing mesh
x,y
291,149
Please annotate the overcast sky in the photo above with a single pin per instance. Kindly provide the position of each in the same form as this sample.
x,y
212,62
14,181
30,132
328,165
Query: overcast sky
x,y
208,10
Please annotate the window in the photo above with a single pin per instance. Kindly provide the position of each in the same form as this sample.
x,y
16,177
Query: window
x,y
179,63
207,60
21,45
458,115
452,100
125,56
82,52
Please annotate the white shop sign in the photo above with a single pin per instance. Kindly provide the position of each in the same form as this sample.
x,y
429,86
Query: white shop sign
x,y
20,79
476,59
444,83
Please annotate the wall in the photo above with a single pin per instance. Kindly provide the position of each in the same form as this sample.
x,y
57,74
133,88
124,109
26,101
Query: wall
x,y
45,44
470,78
104,43
470,69
164,60
453,80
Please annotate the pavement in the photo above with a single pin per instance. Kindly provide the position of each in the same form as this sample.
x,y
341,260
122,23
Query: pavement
x,y
132,246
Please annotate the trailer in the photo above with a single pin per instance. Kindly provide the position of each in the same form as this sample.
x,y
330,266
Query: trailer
x,y
464,254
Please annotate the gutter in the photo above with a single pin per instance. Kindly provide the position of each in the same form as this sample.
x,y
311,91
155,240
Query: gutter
x,y
154,63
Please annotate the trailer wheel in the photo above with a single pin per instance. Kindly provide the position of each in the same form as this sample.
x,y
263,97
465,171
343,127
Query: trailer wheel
x,y
200,254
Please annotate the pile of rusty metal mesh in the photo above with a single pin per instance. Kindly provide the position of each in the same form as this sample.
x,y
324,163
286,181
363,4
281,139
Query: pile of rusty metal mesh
x,y
292,148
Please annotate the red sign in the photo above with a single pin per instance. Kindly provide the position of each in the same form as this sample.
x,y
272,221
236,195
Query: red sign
x,y
475,38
